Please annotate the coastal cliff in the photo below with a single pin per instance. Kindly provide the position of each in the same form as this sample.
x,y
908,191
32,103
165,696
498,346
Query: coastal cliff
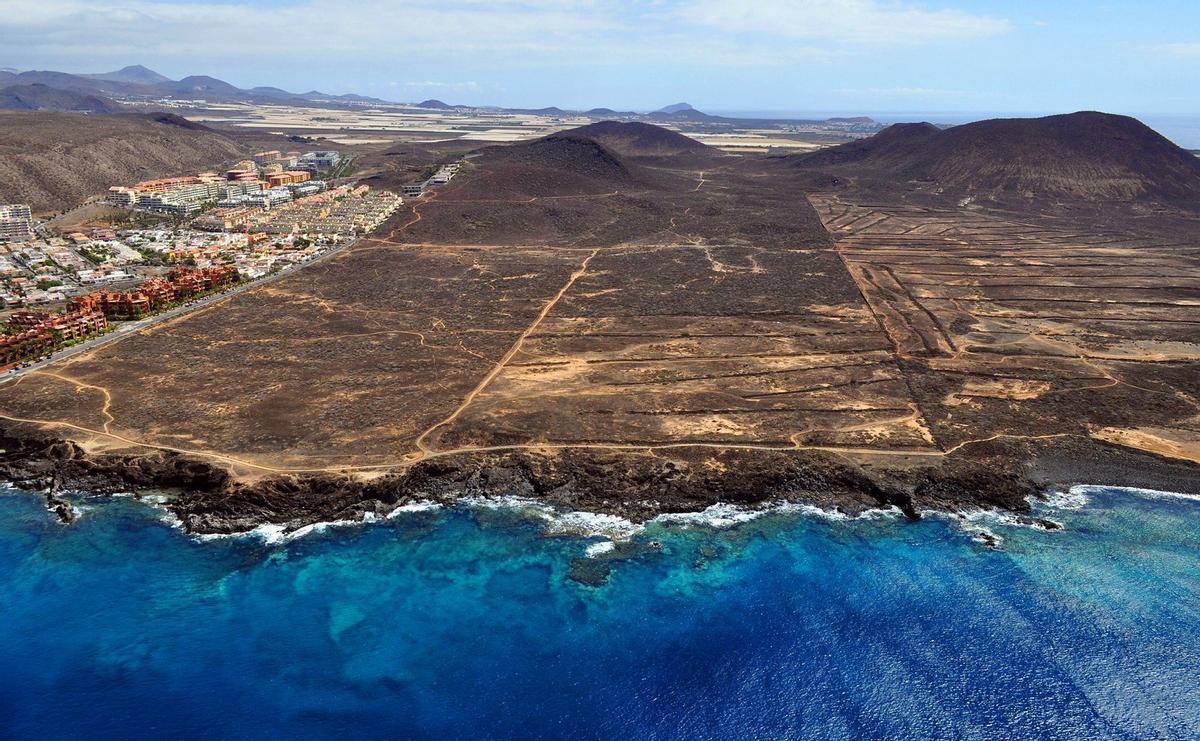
x,y
634,485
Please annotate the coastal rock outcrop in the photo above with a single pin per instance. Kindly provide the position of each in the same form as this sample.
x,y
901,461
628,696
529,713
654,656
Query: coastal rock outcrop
x,y
636,485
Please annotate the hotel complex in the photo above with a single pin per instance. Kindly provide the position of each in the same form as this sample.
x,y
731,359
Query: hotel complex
x,y
264,214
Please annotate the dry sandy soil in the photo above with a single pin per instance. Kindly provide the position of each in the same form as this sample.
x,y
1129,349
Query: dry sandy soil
x,y
697,306
1009,326
397,349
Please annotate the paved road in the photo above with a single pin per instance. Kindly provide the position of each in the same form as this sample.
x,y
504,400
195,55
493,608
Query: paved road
x,y
125,329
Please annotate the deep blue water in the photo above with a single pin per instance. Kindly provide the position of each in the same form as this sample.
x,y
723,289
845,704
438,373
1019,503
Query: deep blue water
x,y
462,623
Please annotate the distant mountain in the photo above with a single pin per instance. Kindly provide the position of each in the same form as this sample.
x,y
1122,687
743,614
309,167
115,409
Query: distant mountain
x,y
139,82
683,112
690,114
38,97
64,81
272,92
634,138
609,114
550,111
205,85
356,98
1087,155
134,73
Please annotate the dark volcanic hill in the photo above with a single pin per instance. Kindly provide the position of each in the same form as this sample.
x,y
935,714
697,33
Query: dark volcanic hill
x,y
562,164
636,139
571,152
1089,156
893,146
38,97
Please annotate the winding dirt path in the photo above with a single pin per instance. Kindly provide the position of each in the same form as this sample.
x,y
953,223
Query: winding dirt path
x,y
512,351
105,410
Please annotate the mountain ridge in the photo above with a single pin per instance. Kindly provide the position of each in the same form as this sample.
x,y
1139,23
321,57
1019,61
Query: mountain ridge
x,y
1086,155
40,97
140,81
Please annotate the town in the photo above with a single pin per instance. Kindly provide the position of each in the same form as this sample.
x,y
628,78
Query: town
x,y
30,335
186,237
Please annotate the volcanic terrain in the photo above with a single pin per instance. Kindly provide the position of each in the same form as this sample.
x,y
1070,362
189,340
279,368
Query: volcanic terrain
x,y
1079,156
586,319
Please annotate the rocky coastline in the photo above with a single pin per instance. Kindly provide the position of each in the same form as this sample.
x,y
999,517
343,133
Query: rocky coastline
x,y
637,486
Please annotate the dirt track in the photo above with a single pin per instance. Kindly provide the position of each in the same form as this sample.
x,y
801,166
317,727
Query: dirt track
x,y
709,311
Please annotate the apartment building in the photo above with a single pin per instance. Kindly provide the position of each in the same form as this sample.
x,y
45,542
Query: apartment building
x,y
318,161
16,223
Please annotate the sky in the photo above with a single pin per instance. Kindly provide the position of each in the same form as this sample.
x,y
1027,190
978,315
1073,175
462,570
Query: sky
x,y
1139,57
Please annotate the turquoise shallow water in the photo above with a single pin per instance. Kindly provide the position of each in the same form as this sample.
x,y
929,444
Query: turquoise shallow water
x,y
463,623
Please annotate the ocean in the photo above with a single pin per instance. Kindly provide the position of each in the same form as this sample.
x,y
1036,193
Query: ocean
x,y
463,623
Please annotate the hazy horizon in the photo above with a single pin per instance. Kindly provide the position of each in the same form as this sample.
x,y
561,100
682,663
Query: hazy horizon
x,y
1182,128
909,55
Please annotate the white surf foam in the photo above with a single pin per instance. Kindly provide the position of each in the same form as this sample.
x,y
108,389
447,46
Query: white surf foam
x,y
1146,493
1074,498
562,522
421,506
969,523
599,549
723,516
717,516
592,523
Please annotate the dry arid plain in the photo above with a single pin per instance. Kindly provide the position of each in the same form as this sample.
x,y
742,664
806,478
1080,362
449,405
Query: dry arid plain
x,y
383,123
563,297
647,332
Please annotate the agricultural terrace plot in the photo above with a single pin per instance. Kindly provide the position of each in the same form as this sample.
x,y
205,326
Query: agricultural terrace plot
x,y
1005,327
700,344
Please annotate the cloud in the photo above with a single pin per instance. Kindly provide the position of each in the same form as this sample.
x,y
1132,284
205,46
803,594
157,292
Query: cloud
x,y
469,32
908,92
469,86
848,21
1185,49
